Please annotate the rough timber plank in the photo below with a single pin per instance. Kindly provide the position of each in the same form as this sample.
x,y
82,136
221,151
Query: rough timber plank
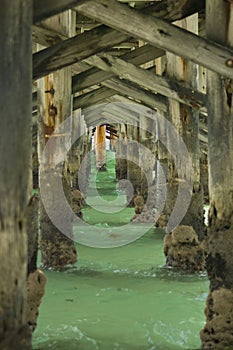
x,y
169,9
175,9
122,112
124,88
160,33
91,98
95,76
109,114
150,81
43,9
45,36
74,49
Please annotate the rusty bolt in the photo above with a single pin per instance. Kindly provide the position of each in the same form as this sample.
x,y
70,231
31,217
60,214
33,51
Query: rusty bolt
x,y
51,91
229,62
52,111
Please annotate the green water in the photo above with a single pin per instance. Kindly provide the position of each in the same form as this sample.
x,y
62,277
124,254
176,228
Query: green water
x,y
120,298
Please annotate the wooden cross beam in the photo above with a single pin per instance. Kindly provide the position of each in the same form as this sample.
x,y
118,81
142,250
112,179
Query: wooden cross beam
x,y
122,111
77,48
160,33
100,116
123,88
91,98
151,81
42,9
95,76
74,49
174,10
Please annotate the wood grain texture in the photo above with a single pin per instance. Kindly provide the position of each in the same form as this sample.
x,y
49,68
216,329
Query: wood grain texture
x,y
95,76
74,49
160,33
149,80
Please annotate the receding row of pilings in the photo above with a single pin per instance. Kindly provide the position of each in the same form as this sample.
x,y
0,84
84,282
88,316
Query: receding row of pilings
x,y
186,246
148,183
137,165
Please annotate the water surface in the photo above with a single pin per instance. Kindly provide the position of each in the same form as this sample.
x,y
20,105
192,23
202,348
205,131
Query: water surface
x,y
120,298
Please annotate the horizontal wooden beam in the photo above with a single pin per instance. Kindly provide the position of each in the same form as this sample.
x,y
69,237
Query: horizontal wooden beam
x,y
43,9
133,107
203,138
74,49
123,88
95,76
96,121
64,54
45,36
175,10
104,95
95,117
91,98
151,81
122,115
125,100
168,9
171,9
160,33
112,116
121,111
79,67
147,98
109,113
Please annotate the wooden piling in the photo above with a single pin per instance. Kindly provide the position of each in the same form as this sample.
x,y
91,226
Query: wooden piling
x,y
15,148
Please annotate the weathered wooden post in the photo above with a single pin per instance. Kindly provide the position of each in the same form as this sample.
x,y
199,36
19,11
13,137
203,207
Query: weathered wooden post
x,y
147,160
79,156
204,153
218,330
15,148
54,101
100,147
186,121
113,140
121,153
133,167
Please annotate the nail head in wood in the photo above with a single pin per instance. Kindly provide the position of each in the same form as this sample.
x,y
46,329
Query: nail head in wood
x,y
229,62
